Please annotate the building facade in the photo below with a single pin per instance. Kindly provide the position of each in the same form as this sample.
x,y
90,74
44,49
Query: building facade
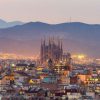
x,y
51,51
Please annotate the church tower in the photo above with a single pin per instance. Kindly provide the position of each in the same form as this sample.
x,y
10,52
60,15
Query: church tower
x,y
51,50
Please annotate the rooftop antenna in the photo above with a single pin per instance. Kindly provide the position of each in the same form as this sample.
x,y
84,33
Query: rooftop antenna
x,y
70,19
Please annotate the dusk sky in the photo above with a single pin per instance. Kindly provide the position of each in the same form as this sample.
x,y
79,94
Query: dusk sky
x,y
51,11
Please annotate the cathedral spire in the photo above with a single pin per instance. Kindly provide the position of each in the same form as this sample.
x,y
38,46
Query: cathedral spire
x,y
41,53
49,41
61,45
53,40
44,42
58,42
61,48
41,42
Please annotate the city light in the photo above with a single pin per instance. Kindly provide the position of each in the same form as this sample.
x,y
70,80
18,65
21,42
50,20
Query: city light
x,y
81,56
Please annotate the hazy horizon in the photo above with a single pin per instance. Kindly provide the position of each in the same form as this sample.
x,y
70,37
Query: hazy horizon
x,y
51,11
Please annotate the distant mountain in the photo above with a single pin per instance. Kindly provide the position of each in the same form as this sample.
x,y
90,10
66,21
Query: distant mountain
x,y
4,24
77,37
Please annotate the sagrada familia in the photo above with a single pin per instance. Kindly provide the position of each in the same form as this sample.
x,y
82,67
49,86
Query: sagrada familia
x,y
51,50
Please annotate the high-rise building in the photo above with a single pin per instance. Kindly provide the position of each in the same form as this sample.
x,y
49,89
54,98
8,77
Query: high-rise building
x,y
51,51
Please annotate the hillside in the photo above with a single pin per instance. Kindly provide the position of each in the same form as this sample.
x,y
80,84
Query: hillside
x,y
77,37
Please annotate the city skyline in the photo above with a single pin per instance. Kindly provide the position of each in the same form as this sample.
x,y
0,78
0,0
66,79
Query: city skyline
x,y
51,11
49,50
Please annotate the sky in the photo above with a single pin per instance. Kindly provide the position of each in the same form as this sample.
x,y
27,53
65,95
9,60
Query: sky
x,y
51,11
